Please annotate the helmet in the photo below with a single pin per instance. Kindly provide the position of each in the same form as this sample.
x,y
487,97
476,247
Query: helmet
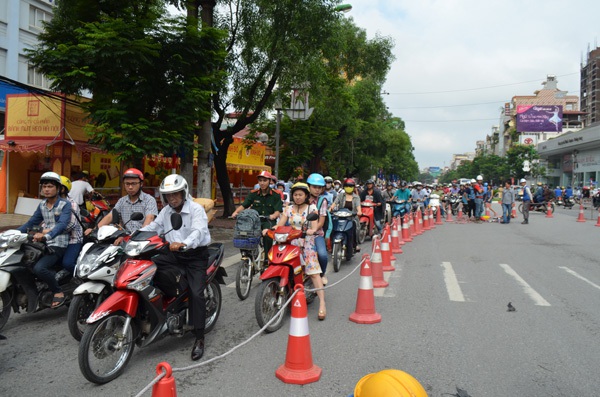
x,y
473,181
265,174
539,183
369,182
349,182
133,173
337,181
66,182
328,179
316,180
300,186
522,180
479,178
51,177
172,184
281,183
485,184
403,184
389,382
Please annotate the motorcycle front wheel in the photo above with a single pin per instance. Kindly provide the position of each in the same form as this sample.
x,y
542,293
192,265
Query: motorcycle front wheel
x,y
212,294
362,233
80,309
268,302
243,279
4,308
106,348
336,256
521,208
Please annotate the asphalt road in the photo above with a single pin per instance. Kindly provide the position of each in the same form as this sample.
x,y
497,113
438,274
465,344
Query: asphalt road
x,y
444,320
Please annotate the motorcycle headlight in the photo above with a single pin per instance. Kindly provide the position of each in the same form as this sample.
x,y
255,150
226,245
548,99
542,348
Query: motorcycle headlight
x,y
281,237
144,280
133,248
86,265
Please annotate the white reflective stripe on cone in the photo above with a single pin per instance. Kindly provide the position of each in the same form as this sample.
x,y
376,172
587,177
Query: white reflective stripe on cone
x,y
299,327
385,246
376,257
366,283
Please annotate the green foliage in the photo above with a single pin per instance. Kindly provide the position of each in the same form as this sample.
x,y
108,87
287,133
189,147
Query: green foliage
x,y
150,76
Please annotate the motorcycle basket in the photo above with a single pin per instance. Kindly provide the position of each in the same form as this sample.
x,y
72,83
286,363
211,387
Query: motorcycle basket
x,y
246,243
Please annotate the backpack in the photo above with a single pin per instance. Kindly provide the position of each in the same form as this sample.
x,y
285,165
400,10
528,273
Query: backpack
x,y
328,225
247,224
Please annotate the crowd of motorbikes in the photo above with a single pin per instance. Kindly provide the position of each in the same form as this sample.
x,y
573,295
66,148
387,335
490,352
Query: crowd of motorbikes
x,y
113,303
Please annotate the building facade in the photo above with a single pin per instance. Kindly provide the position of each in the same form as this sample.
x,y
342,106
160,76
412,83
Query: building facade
x,y
590,87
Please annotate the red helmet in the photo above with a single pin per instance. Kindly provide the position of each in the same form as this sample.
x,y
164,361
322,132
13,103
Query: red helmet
x,y
265,174
349,182
133,173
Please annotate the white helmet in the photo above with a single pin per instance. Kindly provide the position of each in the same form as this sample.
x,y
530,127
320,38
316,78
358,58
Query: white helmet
x,y
479,178
522,180
172,184
50,177
473,181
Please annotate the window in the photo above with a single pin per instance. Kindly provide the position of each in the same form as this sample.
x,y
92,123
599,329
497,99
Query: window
x,y
37,17
36,78
569,106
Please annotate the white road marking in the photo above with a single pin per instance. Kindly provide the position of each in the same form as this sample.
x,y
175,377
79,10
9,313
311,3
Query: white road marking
x,y
533,294
454,292
572,272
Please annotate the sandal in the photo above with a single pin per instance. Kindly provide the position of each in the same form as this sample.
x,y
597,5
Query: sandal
x,y
322,314
58,301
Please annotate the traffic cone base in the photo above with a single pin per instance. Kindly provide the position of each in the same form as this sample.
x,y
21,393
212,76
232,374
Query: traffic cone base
x,y
165,387
581,217
298,368
449,214
438,216
365,300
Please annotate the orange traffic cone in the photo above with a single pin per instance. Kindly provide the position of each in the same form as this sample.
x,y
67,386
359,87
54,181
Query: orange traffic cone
x,y
598,222
513,213
399,231
406,229
386,254
487,211
549,213
165,387
581,217
377,267
427,219
449,214
413,224
419,222
365,299
396,240
298,368
431,219
438,216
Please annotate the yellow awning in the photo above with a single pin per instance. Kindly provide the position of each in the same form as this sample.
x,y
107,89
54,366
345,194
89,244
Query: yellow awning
x,y
247,167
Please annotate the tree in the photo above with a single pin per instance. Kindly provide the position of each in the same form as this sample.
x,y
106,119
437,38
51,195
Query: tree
x,y
149,76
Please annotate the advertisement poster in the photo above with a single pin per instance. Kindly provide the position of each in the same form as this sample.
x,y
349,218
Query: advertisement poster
x,y
538,118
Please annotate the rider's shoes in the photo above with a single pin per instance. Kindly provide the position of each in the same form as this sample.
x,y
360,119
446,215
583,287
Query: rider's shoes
x,y
525,223
322,315
198,349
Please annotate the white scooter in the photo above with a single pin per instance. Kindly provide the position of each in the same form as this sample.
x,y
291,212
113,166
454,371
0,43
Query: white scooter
x,y
96,266
434,203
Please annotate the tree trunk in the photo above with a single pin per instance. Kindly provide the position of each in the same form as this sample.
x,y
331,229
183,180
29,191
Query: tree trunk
x,y
223,179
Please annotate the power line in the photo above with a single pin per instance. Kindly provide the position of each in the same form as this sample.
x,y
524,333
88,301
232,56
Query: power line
x,y
473,89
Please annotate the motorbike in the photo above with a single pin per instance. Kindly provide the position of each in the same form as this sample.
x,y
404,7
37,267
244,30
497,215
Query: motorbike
x,y
96,267
341,237
100,210
540,207
19,287
454,201
138,313
434,204
285,271
568,202
399,208
367,221
253,257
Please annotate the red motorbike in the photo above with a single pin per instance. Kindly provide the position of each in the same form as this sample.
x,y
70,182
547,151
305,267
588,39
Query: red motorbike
x,y
101,209
138,313
367,221
284,272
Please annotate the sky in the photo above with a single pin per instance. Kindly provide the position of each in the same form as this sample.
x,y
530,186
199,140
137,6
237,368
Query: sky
x,y
458,61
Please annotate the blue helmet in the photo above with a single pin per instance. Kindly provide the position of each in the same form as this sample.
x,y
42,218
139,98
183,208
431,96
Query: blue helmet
x,y
316,180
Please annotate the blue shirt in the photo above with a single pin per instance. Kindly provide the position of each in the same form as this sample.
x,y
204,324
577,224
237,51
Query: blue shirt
x,y
55,218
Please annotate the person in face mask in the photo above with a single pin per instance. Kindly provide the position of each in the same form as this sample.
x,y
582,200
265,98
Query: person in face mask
x,y
348,198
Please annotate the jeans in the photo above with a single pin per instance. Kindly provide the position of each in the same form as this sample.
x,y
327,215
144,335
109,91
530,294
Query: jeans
x,y
506,210
321,252
44,268
70,256
478,208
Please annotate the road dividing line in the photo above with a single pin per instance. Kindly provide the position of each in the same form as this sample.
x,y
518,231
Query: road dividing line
x,y
537,298
454,292
572,272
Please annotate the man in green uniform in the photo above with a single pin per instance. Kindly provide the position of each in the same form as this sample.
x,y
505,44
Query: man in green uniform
x,y
267,202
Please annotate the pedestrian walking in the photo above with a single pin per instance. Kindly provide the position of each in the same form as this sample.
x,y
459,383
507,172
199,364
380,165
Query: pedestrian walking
x,y
527,196
508,202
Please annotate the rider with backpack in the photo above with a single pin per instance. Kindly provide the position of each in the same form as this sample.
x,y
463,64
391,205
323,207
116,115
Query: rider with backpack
x,y
316,184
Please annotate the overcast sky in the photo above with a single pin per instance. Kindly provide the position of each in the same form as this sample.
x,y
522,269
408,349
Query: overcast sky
x,y
475,53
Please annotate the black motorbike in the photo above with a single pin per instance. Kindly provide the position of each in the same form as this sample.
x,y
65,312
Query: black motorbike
x,y
341,237
454,201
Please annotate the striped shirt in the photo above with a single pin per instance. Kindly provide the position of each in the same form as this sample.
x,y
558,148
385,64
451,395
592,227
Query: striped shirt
x,y
76,231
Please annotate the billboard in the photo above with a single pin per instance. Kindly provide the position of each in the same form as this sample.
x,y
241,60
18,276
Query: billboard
x,y
539,118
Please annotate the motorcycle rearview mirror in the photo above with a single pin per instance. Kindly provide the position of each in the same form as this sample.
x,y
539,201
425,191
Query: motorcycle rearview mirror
x,y
312,217
116,217
176,221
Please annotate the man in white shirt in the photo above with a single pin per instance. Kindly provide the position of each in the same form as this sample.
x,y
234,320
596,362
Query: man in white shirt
x,y
79,188
188,247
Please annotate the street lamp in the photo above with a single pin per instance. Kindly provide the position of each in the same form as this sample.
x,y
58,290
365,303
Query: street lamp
x,y
343,8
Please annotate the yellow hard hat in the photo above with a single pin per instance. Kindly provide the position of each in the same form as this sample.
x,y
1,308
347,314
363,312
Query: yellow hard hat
x,y
66,182
389,383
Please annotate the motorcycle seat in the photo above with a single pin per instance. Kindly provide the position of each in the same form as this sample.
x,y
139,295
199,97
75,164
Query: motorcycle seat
x,y
215,250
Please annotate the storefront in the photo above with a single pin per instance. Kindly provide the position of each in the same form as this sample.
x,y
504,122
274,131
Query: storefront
x,y
42,134
573,159
245,160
